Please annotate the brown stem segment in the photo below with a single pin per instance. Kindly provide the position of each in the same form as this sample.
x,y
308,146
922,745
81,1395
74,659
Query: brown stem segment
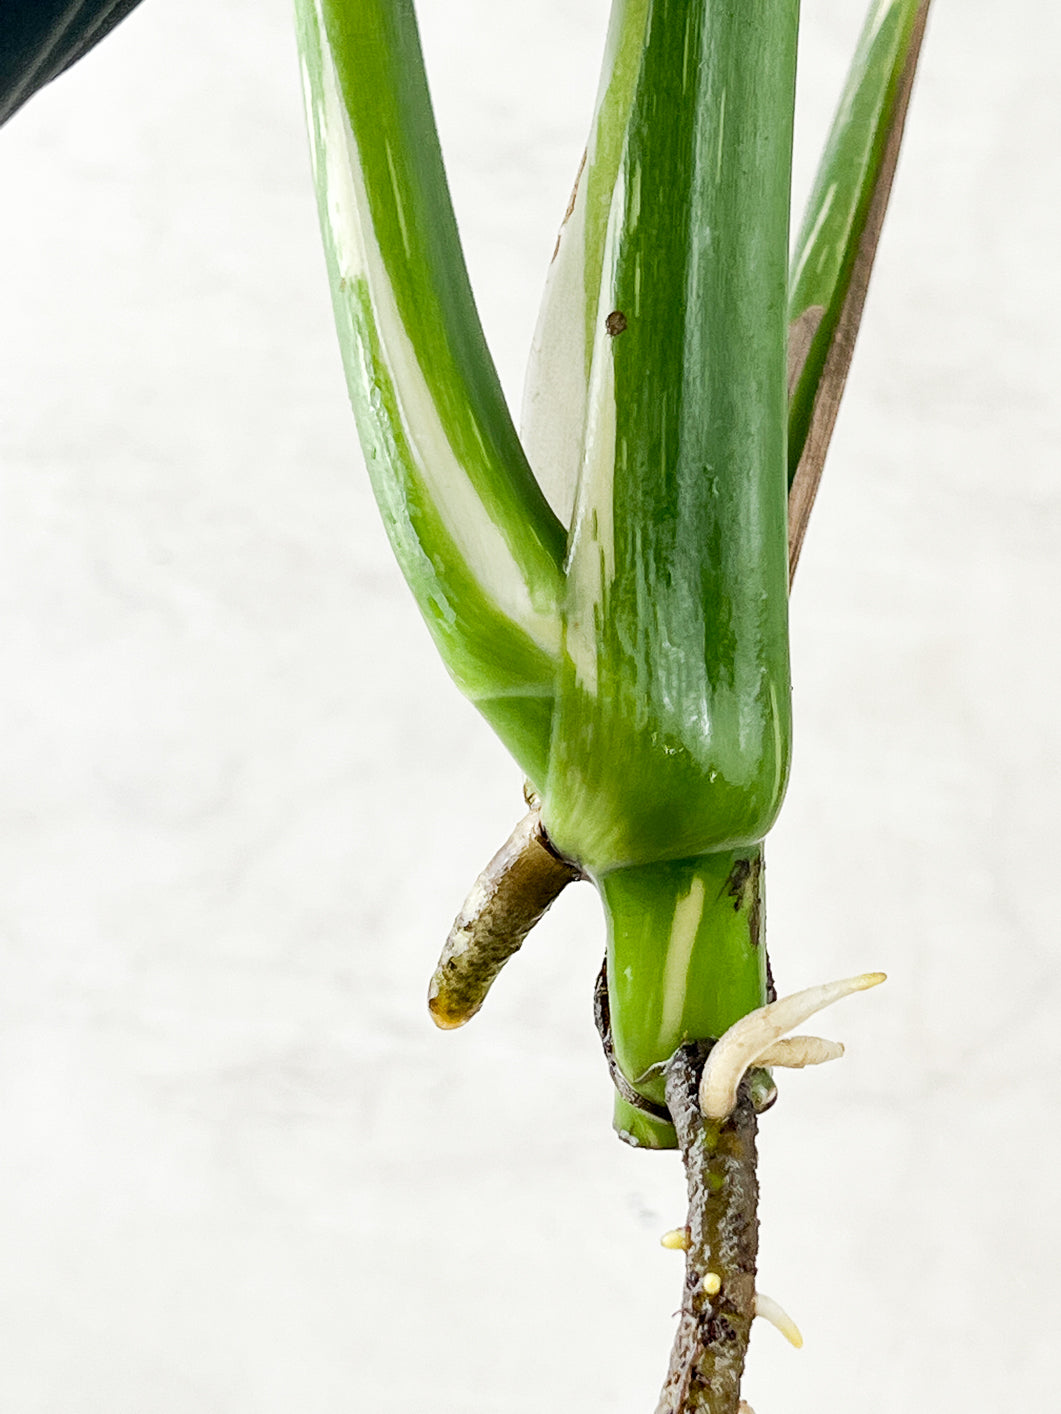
x,y
718,1303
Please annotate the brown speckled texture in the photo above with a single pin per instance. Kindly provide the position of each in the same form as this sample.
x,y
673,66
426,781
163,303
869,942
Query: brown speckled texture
x,y
509,897
711,1343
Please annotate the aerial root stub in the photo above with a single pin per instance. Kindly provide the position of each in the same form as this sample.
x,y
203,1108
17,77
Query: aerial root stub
x,y
510,896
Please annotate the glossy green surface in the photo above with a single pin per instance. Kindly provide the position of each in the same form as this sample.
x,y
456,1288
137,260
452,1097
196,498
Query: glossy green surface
x,y
835,217
671,732
376,49
558,370
623,57
472,531
640,676
686,959
478,644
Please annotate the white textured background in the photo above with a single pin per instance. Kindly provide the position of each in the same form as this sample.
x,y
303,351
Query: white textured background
x,y
241,802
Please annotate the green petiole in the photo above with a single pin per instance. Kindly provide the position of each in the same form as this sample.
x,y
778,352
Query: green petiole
x,y
679,376
473,533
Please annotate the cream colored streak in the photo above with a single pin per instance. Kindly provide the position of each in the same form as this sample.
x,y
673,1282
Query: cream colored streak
x,y
358,256
830,197
399,202
592,557
554,393
309,102
883,10
779,749
688,912
721,135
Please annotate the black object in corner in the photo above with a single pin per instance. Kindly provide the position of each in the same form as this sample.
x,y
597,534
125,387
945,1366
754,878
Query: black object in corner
x,y
41,38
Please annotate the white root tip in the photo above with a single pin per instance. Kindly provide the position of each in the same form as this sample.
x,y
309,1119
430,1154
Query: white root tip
x,y
712,1283
677,1240
795,1052
772,1311
746,1041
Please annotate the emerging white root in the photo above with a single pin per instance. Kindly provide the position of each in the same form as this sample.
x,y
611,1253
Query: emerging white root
x,y
746,1042
795,1052
677,1240
772,1311
711,1283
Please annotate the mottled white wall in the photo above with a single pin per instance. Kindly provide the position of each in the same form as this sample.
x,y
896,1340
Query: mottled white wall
x,y
240,802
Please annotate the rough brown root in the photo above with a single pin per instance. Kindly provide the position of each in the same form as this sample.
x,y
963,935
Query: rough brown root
x,y
508,898
718,1303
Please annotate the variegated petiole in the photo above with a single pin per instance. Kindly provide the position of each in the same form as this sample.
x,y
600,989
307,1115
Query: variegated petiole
x,y
611,587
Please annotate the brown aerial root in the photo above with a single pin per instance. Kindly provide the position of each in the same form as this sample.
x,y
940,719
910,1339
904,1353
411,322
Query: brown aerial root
x,y
509,897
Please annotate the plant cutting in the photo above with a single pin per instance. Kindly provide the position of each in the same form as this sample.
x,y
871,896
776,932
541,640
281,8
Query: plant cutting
x,y
610,588
619,613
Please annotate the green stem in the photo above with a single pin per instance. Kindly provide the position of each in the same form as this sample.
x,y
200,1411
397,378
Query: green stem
x,y
686,959
670,735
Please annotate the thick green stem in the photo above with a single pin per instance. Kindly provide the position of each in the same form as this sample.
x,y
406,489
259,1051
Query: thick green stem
x,y
686,959
670,735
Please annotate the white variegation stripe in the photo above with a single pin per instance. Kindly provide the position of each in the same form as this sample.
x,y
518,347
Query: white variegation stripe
x,y
592,557
808,246
779,745
884,8
309,104
556,386
358,257
688,912
554,392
